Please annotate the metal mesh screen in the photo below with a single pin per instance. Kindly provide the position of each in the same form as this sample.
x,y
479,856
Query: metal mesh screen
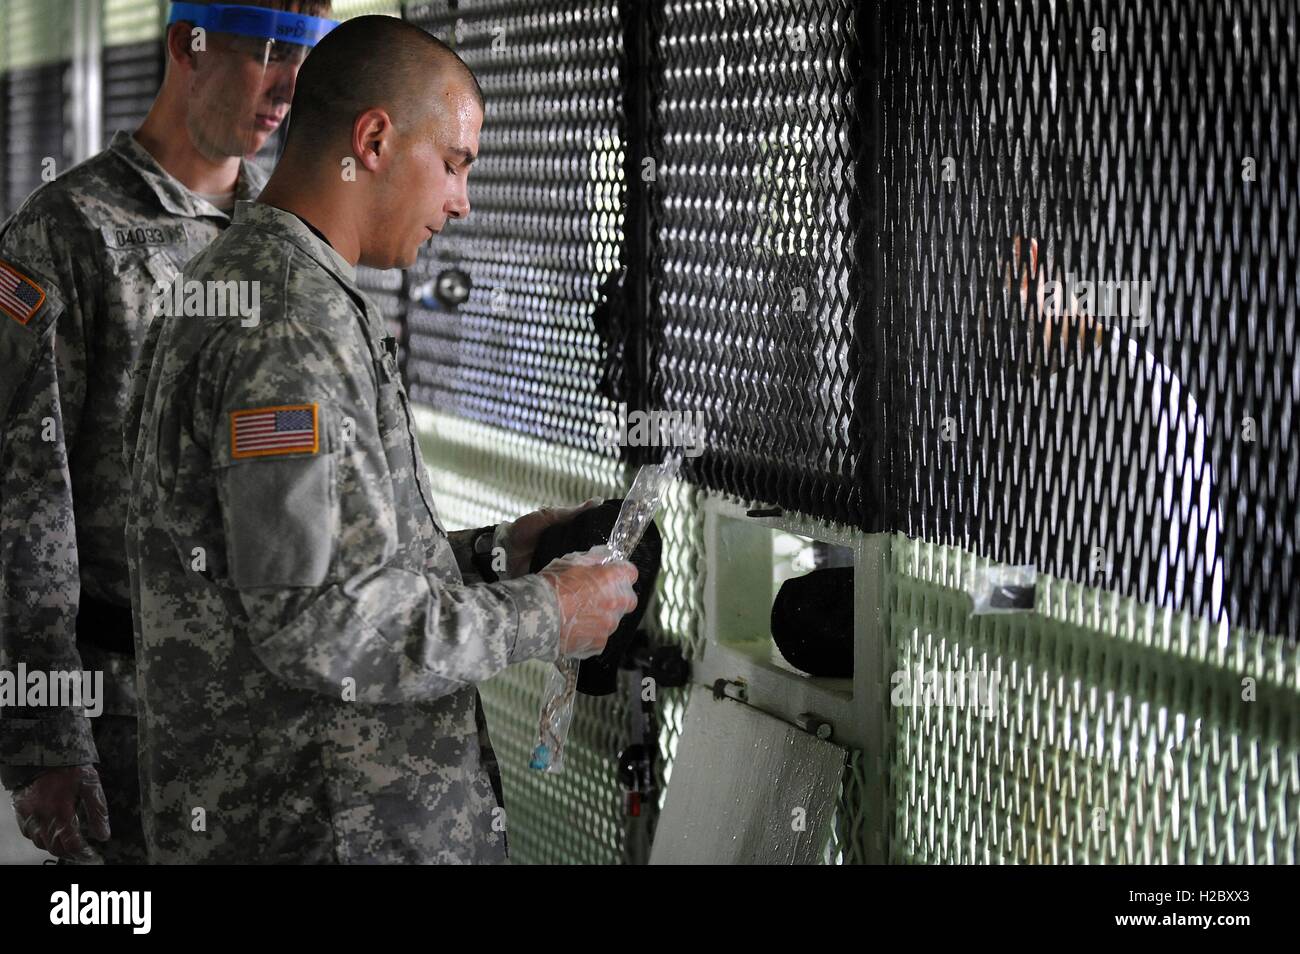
x,y
854,822
132,75
1089,293
5,207
525,352
480,475
33,129
36,51
755,274
1046,263
125,22
1115,736
131,61
387,289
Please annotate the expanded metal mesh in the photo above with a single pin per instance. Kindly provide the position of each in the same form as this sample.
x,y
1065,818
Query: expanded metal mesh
x,y
527,351
35,48
387,289
131,75
35,149
480,475
1144,445
915,176
131,61
5,207
1115,735
754,273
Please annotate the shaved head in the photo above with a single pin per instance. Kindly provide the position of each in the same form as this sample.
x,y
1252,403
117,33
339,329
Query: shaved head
x,y
373,61
383,134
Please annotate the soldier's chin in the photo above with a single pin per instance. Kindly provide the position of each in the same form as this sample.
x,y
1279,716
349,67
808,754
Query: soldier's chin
x,y
254,141
219,150
243,141
386,259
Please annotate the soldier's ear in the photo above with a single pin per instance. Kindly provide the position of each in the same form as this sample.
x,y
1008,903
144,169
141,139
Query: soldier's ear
x,y
372,135
181,40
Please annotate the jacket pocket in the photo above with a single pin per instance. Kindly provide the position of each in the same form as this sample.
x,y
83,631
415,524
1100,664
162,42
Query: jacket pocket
x,y
281,518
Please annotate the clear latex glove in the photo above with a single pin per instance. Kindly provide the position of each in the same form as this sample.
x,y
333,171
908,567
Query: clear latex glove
x,y
593,597
519,537
58,808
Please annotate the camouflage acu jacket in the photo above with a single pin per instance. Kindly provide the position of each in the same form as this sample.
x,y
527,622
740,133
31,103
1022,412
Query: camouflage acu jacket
x,y
80,264
307,643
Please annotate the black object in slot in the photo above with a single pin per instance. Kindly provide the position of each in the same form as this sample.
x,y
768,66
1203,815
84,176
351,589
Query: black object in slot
x,y
812,622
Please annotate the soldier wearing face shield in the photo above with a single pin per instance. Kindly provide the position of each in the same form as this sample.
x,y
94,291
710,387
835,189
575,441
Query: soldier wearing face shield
x,y
83,266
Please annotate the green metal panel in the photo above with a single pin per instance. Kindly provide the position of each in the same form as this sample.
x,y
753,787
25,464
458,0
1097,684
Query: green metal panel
x,y
36,32
132,21
347,9
1121,734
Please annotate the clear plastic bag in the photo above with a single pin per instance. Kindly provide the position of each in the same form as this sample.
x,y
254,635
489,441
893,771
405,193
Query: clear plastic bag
x,y
639,508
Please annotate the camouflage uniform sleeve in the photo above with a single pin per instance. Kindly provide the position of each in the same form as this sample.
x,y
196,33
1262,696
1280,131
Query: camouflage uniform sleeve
x,y
332,587
41,398
462,543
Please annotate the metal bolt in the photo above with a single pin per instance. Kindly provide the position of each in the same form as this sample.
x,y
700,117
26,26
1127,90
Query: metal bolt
x,y
811,722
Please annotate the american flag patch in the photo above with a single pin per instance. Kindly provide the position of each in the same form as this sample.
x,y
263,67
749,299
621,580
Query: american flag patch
x,y
263,431
20,297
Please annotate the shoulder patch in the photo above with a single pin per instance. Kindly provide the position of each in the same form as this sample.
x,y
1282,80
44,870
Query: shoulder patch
x,y
280,429
20,297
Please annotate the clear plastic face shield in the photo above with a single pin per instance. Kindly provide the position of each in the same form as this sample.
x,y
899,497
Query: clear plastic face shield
x,y
246,61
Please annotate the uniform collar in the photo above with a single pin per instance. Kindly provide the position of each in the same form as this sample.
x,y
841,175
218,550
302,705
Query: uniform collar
x,y
289,226
172,195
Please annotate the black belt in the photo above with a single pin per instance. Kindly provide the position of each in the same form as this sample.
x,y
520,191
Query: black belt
x,y
106,626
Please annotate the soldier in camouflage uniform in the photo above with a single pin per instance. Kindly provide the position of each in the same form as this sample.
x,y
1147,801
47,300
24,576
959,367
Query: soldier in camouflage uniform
x,y
81,263
310,636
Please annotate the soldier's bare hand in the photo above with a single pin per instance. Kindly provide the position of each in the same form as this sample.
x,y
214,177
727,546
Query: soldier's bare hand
x,y
593,598
61,806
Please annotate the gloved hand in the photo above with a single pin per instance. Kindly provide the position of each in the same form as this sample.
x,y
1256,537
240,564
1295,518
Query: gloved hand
x,y
593,598
53,808
519,537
